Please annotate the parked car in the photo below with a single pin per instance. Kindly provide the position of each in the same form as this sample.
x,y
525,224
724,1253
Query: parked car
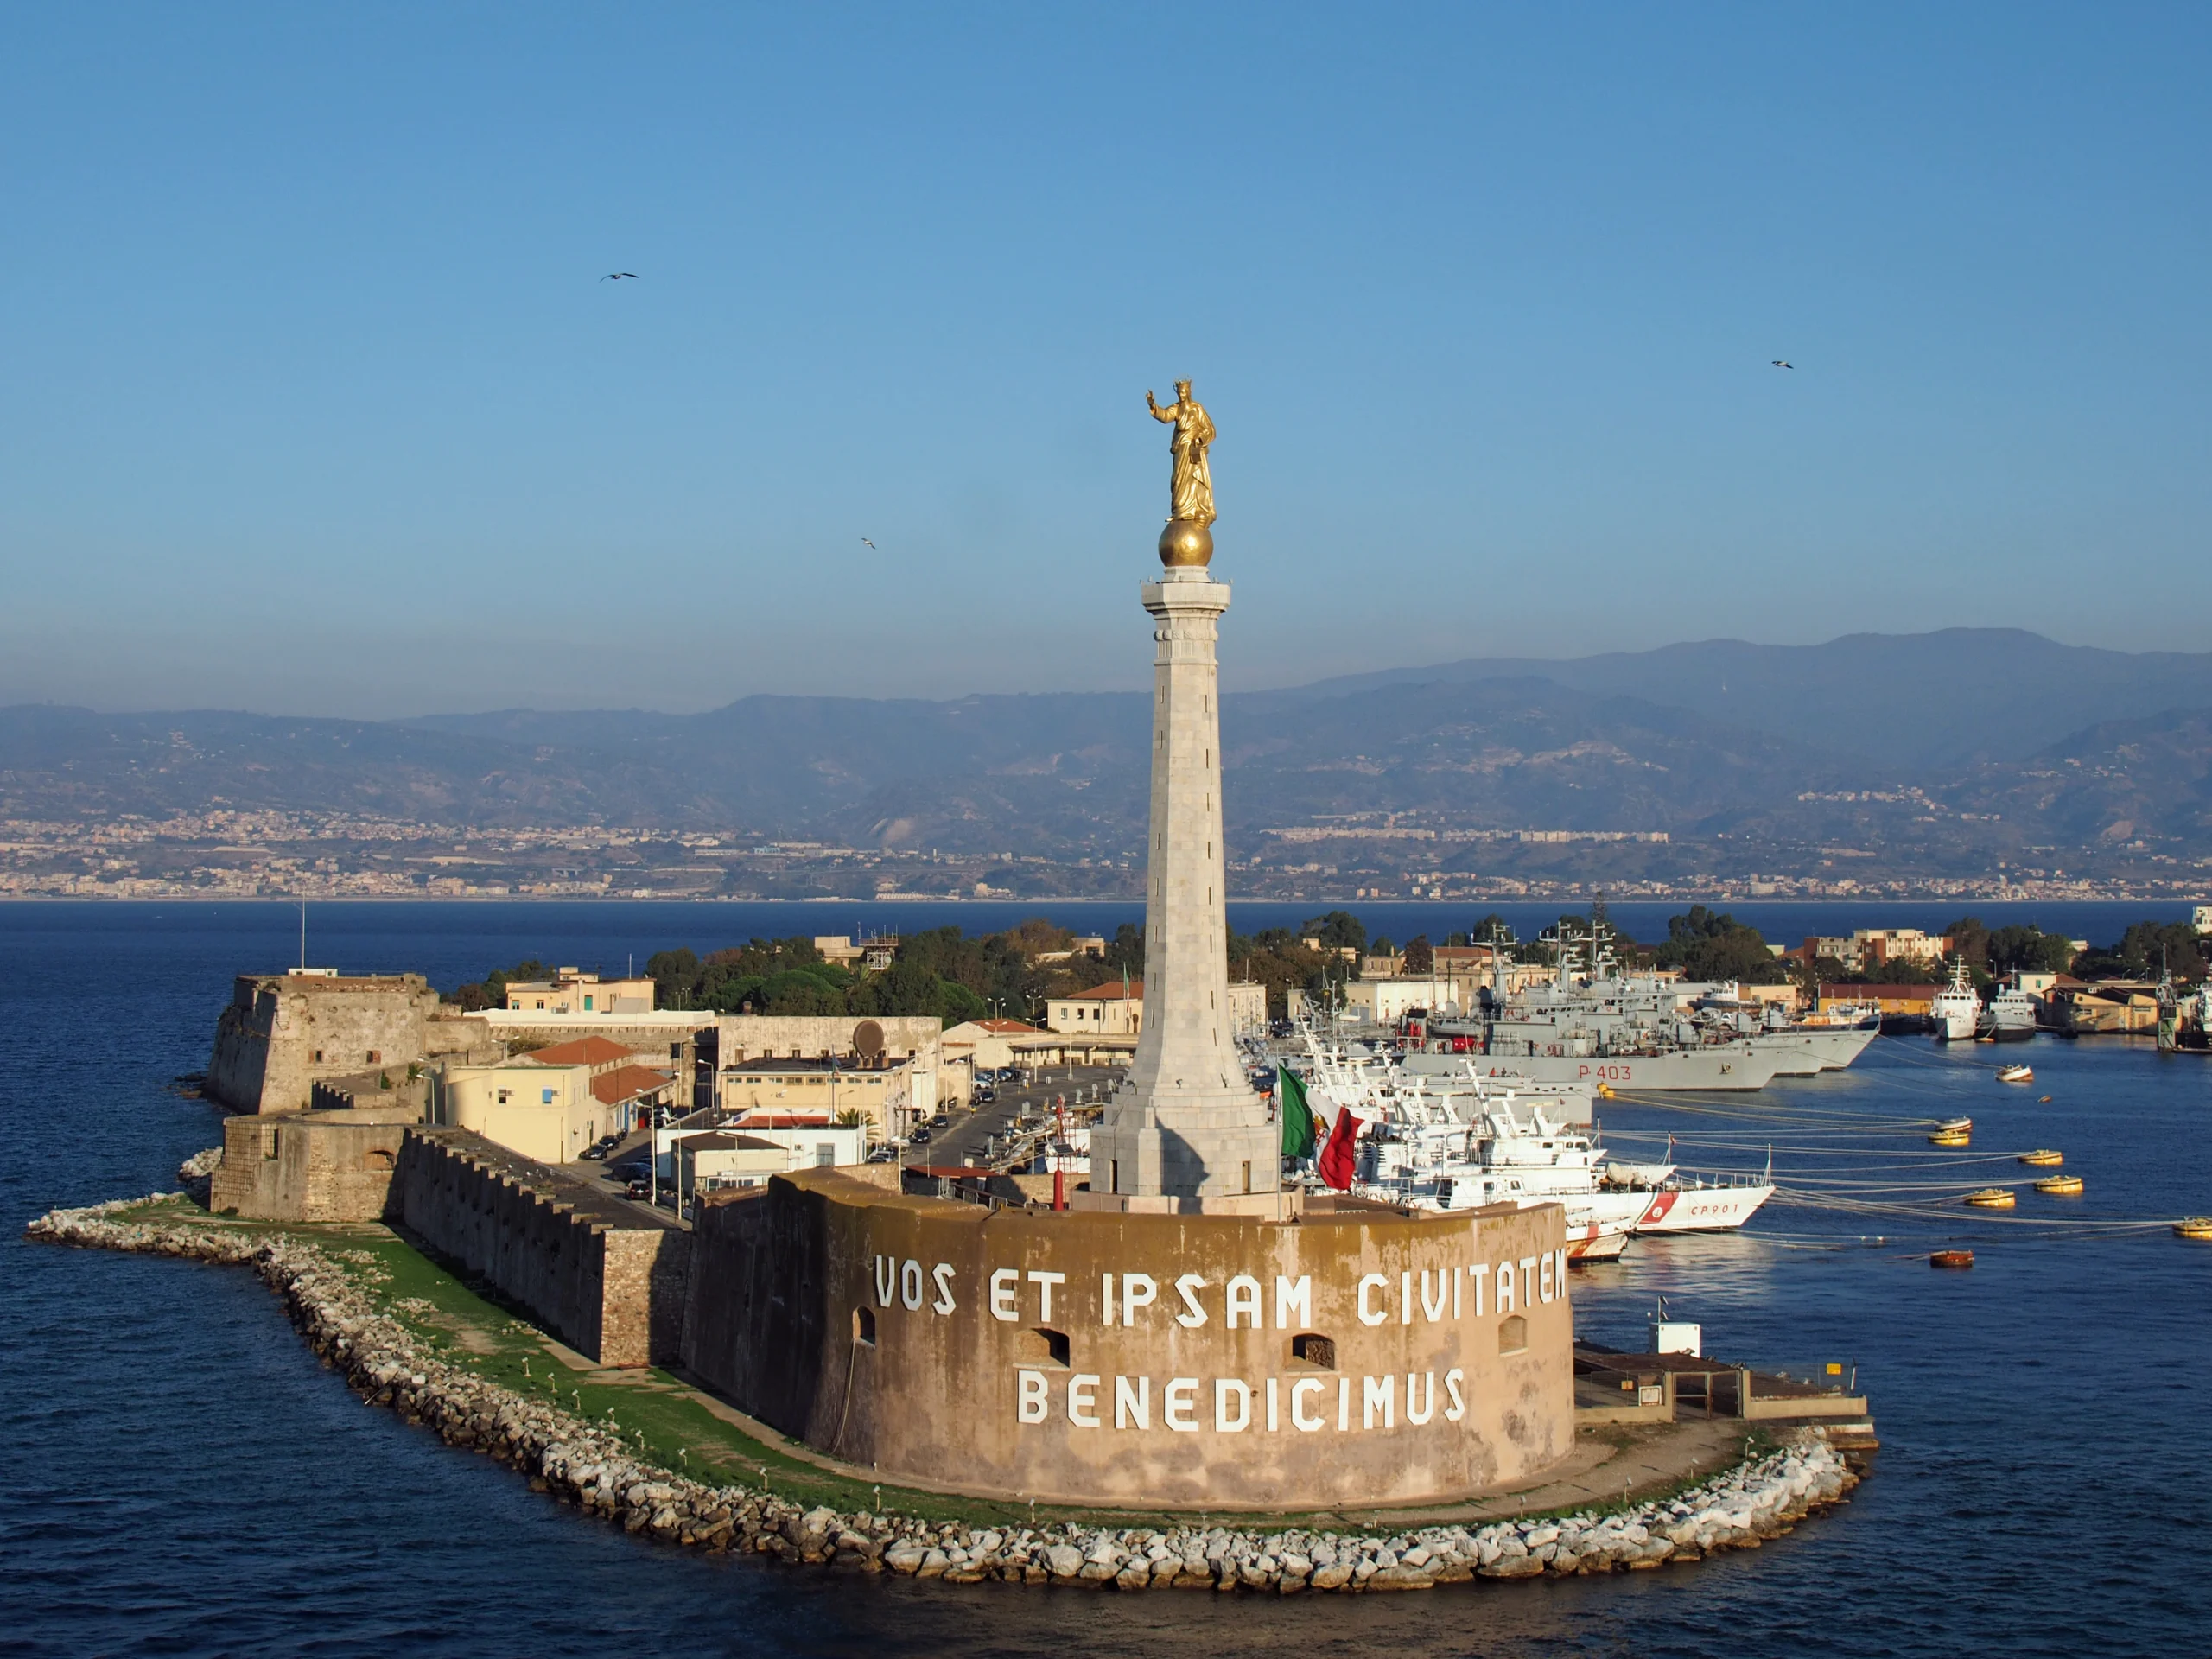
x,y
883,1155
919,1136
986,1095
940,1121
638,1189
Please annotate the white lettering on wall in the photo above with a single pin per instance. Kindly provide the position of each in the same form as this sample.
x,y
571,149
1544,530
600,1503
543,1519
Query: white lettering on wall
x,y
1108,1298
1379,1393
1003,1305
1428,1399
1433,1310
910,1285
1405,1299
1177,1402
1480,1273
1299,1420
1458,1408
1226,1388
1275,1405
1370,1282
1528,1282
1544,1278
886,1280
1082,1403
1188,1288
1132,1406
1505,1286
1244,1298
941,1276
1138,1290
1296,1299
1035,1392
1559,1269
1045,1281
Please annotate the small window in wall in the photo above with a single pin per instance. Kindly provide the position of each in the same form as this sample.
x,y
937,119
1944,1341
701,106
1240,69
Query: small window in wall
x,y
502,1096
825,1156
1512,1335
586,1002
864,1326
1314,1349
1043,1347
1113,1175
318,1057
377,1157
1248,1175
376,1057
268,1143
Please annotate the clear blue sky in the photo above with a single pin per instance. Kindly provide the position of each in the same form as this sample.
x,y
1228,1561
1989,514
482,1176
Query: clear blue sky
x,y
313,402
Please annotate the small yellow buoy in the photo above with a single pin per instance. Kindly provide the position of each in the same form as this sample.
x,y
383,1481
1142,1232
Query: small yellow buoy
x,y
2195,1227
2044,1158
1992,1198
2064,1187
1950,1137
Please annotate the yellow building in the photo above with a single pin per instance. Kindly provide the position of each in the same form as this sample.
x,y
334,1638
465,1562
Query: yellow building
x,y
890,1099
570,991
544,1112
1109,1010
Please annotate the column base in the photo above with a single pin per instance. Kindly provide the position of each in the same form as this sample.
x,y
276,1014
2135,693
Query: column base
x,y
1288,1205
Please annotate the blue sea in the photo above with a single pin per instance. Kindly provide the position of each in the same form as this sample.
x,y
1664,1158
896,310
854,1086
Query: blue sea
x,y
181,1477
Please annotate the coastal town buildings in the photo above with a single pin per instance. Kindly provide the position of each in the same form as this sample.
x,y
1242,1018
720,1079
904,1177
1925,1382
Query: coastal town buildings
x,y
572,991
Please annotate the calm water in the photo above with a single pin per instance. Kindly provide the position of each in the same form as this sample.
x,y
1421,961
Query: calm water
x,y
184,1478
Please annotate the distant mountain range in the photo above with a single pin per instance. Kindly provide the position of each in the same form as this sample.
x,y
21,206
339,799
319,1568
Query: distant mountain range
x,y
2063,745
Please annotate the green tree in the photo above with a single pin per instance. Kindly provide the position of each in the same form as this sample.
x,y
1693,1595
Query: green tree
x,y
1337,930
1421,956
1710,944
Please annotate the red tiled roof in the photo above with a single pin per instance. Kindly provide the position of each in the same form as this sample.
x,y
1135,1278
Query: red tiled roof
x,y
628,1082
1111,991
585,1050
785,1121
1004,1025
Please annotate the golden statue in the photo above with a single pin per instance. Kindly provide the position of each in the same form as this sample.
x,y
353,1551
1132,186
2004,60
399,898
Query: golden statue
x,y
1192,489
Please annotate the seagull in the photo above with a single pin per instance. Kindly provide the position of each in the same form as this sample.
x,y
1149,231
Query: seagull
x,y
617,276
867,543
1779,364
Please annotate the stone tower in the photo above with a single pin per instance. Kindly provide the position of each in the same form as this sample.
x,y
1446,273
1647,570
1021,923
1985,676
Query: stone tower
x,y
1187,1125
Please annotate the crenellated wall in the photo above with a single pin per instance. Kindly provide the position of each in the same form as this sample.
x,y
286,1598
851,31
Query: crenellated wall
x,y
608,1277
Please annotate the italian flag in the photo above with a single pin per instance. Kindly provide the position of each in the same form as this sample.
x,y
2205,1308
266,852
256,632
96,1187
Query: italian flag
x,y
1296,1116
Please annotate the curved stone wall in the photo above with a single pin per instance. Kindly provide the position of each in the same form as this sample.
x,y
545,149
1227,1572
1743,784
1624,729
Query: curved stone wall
x,y
1354,1356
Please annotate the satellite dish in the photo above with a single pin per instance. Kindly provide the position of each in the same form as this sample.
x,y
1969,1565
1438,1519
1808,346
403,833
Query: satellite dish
x,y
868,1041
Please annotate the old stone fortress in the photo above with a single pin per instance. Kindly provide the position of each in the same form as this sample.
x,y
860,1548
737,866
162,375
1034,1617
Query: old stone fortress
x,y
1186,1331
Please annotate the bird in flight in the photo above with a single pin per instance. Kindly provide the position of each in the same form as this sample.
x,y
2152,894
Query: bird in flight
x,y
617,276
1779,364
866,543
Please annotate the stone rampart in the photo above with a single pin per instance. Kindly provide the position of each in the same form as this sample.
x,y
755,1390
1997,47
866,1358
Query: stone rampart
x,y
284,1032
608,1277
1358,1356
316,1167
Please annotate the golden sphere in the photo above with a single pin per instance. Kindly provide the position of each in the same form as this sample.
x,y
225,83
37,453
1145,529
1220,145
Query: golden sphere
x,y
1185,543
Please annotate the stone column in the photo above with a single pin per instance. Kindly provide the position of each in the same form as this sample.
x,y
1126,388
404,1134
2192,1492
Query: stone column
x,y
1187,1124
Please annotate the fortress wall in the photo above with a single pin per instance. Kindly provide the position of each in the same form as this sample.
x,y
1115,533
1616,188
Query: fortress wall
x,y
912,1335
607,1278
269,1039
324,1166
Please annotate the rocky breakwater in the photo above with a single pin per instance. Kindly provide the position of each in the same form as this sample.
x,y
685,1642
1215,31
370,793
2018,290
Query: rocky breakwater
x,y
590,1466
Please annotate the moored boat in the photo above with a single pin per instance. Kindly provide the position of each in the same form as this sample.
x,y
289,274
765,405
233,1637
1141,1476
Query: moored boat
x,y
1956,1010
2016,1074
1951,1259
